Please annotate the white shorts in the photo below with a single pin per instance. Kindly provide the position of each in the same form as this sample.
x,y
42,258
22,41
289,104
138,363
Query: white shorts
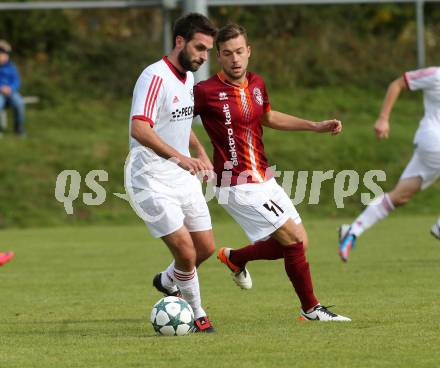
x,y
260,208
166,206
425,165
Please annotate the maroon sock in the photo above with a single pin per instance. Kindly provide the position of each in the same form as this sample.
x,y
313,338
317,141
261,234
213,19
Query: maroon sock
x,y
297,268
266,249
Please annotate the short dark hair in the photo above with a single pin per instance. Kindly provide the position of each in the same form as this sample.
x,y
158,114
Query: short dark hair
x,y
187,25
228,32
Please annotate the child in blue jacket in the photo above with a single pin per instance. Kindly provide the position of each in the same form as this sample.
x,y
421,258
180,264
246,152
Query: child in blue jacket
x,y
9,85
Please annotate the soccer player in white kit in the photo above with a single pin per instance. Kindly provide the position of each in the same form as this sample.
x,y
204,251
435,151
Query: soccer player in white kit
x,y
424,166
159,173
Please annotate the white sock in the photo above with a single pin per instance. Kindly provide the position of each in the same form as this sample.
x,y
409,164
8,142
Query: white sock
x,y
377,210
167,277
437,224
188,283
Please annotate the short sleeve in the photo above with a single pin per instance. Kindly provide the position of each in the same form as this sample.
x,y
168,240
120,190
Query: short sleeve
x,y
147,97
422,78
199,103
266,102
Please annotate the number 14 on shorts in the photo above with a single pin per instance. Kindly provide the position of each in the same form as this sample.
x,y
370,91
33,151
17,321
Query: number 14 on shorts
x,y
271,206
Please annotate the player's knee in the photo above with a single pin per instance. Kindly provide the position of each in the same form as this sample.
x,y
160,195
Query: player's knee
x,y
300,237
210,251
302,240
285,235
186,256
289,239
292,233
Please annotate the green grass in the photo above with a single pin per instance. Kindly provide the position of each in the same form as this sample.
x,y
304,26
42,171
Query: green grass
x,y
85,135
81,297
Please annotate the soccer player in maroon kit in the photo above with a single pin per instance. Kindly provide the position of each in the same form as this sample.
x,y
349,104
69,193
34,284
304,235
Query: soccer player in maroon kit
x,y
234,106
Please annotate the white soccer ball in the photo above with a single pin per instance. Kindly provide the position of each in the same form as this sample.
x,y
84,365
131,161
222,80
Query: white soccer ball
x,y
172,316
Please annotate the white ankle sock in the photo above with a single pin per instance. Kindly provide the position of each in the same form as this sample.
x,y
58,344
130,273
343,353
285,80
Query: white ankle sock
x,y
167,277
188,283
377,210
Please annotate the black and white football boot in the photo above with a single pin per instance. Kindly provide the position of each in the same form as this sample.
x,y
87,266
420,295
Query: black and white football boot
x,y
157,283
322,314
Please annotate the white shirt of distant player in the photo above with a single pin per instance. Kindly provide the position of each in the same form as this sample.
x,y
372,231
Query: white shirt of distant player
x,y
166,102
427,137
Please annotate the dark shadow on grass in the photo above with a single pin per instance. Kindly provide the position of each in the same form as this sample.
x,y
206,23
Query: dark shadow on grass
x,y
136,328
69,321
61,329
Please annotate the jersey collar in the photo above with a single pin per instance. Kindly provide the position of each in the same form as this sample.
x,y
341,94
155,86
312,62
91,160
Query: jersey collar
x,y
180,76
221,75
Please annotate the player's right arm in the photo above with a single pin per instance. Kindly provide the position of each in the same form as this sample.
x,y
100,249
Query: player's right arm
x,y
145,135
382,125
148,96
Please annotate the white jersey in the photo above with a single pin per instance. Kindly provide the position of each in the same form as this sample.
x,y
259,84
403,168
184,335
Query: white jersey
x,y
163,98
427,137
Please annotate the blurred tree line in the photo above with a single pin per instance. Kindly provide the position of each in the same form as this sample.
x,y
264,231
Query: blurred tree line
x,y
99,53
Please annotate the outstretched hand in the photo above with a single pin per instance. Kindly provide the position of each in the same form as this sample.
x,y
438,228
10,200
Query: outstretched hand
x,y
382,128
329,126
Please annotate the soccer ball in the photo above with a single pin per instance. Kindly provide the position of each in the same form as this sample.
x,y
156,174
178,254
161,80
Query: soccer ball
x,y
172,316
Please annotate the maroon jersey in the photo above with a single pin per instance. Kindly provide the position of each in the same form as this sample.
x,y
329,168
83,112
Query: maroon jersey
x,y
232,116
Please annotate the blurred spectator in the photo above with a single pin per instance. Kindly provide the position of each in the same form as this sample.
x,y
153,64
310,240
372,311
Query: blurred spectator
x,y
9,85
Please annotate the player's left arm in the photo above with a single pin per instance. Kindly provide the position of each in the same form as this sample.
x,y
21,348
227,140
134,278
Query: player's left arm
x,y
281,121
198,148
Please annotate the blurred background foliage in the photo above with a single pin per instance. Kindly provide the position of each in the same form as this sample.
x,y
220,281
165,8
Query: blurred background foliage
x,y
100,52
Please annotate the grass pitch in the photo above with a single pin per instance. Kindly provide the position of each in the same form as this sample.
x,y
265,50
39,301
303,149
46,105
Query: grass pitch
x,y
81,297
